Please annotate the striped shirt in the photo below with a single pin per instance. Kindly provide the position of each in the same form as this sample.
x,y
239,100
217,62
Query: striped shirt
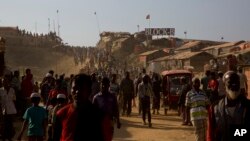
x,y
197,102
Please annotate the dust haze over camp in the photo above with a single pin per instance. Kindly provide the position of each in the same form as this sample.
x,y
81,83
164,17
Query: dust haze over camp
x,y
117,50
82,20
81,23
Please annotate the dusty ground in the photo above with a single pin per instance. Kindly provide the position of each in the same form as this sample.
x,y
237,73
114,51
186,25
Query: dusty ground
x,y
164,128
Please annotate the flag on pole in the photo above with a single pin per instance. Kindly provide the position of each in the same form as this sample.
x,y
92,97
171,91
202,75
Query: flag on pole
x,y
148,17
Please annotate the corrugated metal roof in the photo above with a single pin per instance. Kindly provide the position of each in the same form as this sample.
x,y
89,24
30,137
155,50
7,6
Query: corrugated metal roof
x,y
189,45
186,55
171,72
243,51
148,52
162,58
180,56
223,45
245,45
121,40
225,55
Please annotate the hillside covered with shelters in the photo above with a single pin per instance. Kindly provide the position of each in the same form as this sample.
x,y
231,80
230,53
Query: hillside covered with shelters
x,y
117,51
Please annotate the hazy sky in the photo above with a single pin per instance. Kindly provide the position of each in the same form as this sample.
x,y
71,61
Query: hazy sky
x,y
202,19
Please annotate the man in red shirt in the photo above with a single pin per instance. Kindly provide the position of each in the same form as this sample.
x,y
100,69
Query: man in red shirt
x,y
54,92
27,84
81,120
213,86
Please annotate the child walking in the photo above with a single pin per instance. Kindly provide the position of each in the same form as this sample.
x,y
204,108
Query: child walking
x,y
35,118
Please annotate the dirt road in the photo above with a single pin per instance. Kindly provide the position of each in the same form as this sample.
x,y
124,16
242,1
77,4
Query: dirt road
x,y
164,128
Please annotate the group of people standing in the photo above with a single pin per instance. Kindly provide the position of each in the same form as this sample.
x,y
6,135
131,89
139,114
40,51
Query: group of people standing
x,y
39,105
13,99
62,108
89,106
217,108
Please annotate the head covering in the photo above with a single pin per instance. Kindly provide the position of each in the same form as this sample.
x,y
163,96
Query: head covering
x,y
227,75
220,72
232,84
231,79
61,96
48,75
35,95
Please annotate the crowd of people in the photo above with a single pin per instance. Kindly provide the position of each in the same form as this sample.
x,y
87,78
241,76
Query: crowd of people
x,y
64,108
216,105
59,107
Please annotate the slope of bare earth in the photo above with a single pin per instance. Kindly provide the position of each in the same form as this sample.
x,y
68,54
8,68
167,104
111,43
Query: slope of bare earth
x,y
164,128
39,60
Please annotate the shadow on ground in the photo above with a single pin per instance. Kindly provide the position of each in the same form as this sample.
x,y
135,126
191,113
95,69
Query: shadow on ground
x,y
132,126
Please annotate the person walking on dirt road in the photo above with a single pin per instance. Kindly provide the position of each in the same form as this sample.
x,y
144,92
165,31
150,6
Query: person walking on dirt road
x,y
81,119
107,102
197,102
127,93
145,92
36,119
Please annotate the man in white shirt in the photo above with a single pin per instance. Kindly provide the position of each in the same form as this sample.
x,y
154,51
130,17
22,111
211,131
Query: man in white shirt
x,y
8,98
